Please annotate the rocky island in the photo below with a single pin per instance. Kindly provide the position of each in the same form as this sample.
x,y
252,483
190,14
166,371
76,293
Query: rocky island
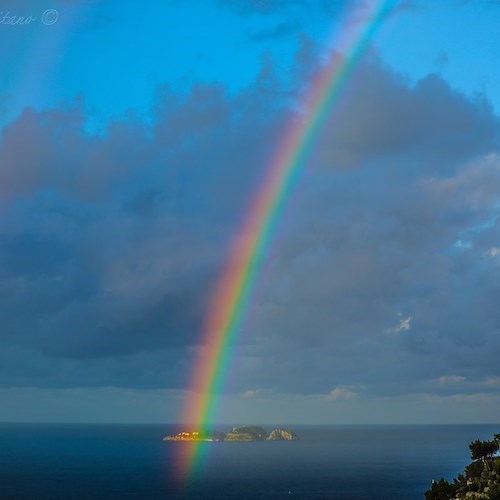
x,y
196,436
248,433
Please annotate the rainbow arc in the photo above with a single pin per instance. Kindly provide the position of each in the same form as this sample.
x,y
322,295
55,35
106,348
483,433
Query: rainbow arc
x,y
234,288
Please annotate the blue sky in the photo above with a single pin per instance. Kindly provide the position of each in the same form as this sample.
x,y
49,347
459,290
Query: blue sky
x,y
133,137
116,52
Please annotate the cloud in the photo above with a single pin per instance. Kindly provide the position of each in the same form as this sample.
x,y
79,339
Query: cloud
x,y
111,244
289,16
251,393
472,398
403,326
340,393
451,379
285,28
426,124
441,61
492,381
382,239
493,251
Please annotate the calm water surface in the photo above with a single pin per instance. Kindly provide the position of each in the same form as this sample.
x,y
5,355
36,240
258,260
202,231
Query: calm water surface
x,y
122,461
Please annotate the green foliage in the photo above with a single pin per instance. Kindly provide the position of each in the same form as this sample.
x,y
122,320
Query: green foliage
x,y
460,481
441,490
481,479
474,469
480,450
496,466
494,492
247,433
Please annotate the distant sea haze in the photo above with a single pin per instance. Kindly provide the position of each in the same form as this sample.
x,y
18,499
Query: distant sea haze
x,y
50,461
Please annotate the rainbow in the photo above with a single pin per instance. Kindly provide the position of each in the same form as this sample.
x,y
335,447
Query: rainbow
x,y
232,292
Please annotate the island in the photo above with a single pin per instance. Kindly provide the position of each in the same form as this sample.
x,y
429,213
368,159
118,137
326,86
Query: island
x,y
249,433
196,436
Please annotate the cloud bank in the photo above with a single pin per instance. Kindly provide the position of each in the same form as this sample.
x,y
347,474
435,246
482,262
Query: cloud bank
x,y
111,243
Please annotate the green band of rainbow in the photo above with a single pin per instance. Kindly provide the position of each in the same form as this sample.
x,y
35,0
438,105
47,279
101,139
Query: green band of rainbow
x,y
232,293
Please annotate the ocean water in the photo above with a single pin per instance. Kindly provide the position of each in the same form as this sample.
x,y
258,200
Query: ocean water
x,y
132,461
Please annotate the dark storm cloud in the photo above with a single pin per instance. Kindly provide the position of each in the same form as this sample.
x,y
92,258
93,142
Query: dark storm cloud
x,y
384,248
111,243
382,277
406,235
360,278
388,116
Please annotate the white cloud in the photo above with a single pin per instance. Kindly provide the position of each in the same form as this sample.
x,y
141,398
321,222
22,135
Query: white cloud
x,y
451,379
250,393
492,381
341,392
479,396
403,326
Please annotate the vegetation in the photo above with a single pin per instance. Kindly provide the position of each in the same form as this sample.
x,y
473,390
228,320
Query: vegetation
x,y
247,433
195,436
481,478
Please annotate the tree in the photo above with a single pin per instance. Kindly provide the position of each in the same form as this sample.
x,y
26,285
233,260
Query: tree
x,y
481,450
481,479
441,490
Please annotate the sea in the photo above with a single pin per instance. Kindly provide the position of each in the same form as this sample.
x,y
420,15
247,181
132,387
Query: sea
x,y
54,461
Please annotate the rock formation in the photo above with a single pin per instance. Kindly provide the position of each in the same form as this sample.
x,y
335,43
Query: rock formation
x,y
282,435
247,433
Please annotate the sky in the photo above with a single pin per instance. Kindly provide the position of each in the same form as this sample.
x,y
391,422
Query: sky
x,y
133,136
